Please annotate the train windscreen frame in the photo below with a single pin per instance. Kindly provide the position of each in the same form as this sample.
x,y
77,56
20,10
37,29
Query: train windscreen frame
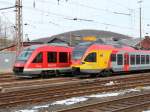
x,y
80,49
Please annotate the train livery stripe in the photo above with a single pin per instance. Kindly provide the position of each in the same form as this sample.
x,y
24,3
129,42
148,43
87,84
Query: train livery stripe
x,y
41,69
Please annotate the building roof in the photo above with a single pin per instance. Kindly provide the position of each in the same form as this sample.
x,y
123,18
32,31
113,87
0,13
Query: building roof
x,y
67,36
138,43
130,42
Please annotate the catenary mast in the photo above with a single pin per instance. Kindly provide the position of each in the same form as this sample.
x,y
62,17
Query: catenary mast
x,y
19,26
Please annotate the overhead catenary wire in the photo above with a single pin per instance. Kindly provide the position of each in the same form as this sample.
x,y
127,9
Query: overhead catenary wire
x,y
50,13
5,8
73,18
90,7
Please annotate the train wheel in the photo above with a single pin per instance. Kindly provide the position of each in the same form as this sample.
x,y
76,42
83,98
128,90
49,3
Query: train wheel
x,y
77,74
52,73
42,75
105,73
57,73
108,73
101,74
47,74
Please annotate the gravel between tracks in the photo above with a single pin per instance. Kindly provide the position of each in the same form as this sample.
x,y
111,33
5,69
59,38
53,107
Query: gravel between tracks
x,y
104,82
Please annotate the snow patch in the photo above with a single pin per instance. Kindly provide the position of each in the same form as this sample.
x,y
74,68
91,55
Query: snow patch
x,y
146,111
40,106
132,90
70,101
109,83
146,88
104,95
75,100
27,110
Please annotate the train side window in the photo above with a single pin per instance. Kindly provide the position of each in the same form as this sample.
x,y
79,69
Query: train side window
x,y
63,57
113,57
147,59
52,57
132,59
137,59
119,59
142,59
91,57
38,58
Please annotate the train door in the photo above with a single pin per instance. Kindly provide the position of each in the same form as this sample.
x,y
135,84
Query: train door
x,y
52,59
126,62
120,63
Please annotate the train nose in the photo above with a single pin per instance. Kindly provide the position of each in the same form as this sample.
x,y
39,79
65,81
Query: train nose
x,y
76,62
18,67
19,64
18,70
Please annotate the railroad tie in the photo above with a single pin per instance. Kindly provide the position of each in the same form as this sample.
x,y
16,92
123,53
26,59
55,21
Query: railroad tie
x,y
1,89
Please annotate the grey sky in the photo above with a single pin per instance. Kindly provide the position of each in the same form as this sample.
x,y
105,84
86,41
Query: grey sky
x,y
48,18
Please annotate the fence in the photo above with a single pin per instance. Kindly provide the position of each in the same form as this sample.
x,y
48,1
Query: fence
x,y
7,60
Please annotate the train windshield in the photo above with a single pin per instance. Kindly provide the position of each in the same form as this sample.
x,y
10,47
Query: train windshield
x,y
24,55
80,49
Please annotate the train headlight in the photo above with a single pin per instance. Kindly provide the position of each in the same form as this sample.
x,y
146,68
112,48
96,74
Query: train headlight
x,y
82,62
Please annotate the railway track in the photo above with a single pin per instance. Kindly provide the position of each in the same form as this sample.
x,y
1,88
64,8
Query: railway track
x,y
7,77
23,83
52,92
133,103
8,80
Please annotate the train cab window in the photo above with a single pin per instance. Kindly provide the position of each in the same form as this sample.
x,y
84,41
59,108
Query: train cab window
x,y
38,58
142,59
147,59
63,57
132,59
90,57
52,57
137,59
113,57
119,59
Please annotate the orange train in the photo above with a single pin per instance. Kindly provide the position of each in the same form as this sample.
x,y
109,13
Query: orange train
x,y
104,59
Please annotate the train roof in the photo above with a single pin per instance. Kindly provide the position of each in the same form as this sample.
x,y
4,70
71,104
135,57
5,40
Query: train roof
x,y
109,45
114,47
101,42
33,47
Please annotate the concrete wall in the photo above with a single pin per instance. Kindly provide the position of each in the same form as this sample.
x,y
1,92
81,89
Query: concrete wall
x,y
7,60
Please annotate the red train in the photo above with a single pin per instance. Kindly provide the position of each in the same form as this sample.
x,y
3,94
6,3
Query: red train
x,y
37,60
